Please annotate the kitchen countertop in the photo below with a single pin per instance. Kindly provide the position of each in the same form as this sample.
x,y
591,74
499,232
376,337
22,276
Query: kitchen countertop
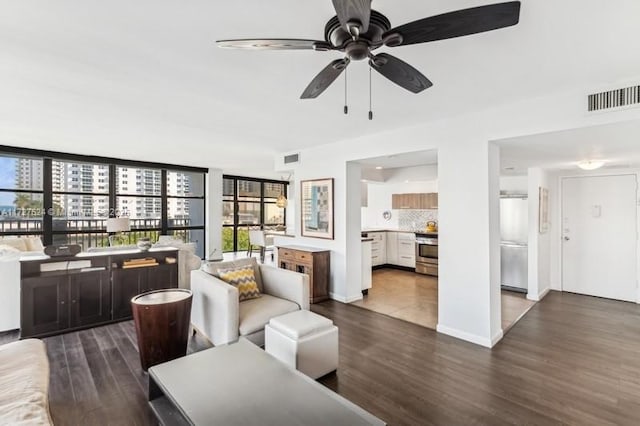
x,y
399,230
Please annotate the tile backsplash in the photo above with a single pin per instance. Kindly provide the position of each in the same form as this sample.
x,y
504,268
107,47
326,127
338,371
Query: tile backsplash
x,y
415,220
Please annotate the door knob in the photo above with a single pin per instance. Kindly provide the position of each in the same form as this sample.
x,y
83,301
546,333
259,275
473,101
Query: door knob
x,y
567,238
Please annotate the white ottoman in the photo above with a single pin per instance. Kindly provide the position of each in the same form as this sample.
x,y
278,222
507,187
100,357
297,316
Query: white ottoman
x,y
304,341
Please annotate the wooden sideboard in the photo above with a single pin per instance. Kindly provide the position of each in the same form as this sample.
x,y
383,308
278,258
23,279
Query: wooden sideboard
x,y
316,263
99,292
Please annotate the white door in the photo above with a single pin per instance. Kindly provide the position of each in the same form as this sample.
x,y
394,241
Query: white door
x,y
599,242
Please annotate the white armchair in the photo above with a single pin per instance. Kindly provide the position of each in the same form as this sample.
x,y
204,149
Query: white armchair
x,y
217,313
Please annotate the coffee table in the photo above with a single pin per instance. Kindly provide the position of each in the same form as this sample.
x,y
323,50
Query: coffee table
x,y
240,384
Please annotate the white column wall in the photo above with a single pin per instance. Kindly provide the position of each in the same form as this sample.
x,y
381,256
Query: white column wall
x,y
214,214
539,273
469,267
353,283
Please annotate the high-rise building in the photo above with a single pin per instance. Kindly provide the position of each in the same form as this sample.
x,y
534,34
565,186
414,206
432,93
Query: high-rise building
x,y
81,190
28,174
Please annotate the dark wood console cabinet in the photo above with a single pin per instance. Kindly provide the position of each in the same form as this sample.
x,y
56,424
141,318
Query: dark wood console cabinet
x,y
59,301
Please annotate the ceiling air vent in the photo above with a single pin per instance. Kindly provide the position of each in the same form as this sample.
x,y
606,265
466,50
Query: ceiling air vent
x,y
615,99
290,159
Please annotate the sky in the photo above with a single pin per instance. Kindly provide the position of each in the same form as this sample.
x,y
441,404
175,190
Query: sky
x,y
7,179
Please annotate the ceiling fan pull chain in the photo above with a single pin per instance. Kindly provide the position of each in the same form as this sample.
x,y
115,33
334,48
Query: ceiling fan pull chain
x,y
346,107
370,103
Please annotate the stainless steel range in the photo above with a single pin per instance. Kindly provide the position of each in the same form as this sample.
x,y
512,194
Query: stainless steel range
x,y
427,254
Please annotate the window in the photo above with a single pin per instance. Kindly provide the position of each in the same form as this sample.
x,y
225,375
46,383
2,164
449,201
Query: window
x,y
80,210
67,199
186,205
21,196
249,203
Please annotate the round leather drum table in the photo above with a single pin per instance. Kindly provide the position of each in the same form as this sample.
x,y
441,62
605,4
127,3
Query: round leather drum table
x,y
162,320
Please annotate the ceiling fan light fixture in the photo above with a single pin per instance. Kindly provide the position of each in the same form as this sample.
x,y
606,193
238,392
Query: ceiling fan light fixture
x,y
591,164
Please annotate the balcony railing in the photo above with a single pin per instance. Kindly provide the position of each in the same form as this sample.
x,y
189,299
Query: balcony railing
x,y
92,232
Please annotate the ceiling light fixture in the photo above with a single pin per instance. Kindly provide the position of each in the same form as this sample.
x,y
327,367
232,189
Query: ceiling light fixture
x,y
378,167
591,164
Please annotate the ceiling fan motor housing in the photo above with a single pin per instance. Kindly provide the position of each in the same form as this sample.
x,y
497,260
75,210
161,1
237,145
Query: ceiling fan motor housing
x,y
358,49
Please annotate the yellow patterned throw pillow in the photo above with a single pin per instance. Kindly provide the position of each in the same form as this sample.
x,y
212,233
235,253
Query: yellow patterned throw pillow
x,y
244,279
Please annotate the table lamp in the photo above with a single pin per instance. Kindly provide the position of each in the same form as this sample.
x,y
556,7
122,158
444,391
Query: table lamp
x,y
116,226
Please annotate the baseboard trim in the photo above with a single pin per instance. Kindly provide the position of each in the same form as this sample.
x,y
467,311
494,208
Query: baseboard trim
x,y
499,335
398,267
540,296
342,299
544,293
473,338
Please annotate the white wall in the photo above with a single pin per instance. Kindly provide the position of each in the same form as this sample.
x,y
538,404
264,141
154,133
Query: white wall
x,y
539,244
468,199
213,213
514,184
379,201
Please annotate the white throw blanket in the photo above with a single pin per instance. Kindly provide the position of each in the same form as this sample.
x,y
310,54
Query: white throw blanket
x,y
24,383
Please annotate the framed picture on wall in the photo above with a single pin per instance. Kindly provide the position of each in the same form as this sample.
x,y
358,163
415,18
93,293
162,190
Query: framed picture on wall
x,y
543,214
317,208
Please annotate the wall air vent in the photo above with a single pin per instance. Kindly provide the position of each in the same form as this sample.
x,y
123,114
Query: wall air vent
x,y
618,98
290,159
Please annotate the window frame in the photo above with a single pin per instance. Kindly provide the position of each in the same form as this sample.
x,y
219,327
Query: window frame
x,y
47,232
236,200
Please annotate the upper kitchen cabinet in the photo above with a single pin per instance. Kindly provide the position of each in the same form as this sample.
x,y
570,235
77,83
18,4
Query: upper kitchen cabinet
x,y
427,201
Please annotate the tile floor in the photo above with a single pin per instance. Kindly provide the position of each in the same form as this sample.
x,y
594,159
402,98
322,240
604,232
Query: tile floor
x,y
414,298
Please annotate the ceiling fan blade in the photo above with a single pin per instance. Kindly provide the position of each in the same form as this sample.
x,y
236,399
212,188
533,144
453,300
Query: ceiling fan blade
x,y
323,80
455,24
353,11
401,73
274,44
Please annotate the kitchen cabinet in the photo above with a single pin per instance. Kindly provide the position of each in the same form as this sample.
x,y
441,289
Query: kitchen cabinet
x,y
366,267
310,261
428,201
378,248
406,249
392,248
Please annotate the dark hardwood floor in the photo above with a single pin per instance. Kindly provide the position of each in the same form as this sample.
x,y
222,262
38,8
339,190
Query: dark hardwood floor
x,y
571,360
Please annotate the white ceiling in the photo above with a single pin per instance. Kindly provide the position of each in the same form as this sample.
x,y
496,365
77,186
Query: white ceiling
x,y
411,159
617,144
143,79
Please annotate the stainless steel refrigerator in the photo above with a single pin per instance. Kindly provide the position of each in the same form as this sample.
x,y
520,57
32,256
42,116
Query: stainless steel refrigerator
x,y
514,230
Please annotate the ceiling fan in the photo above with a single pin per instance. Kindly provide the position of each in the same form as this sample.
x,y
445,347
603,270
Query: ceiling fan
x,y
357,30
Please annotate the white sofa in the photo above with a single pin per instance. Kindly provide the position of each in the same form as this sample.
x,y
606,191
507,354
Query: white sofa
x,y
12,249
187,259
24,383
217,313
